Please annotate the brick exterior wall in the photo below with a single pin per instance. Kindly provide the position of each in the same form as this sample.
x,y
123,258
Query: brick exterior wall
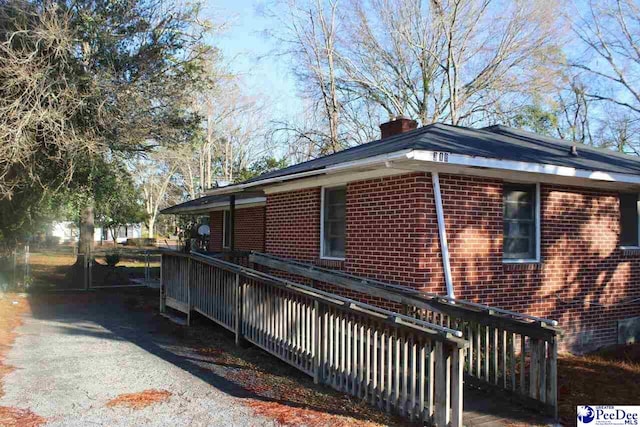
x,y
216,219
293,224
249,229
387,223
392,235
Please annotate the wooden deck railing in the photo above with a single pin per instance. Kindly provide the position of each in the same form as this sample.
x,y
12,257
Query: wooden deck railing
x,y
509,351
396,362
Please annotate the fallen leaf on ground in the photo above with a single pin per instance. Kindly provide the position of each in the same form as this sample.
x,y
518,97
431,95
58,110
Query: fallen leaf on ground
x,y
16,417
291,416
140,400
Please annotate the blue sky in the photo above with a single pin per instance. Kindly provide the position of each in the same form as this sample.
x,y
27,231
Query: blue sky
x,y
247,50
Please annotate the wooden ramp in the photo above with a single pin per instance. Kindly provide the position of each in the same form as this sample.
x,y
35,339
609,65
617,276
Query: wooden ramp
x,y
490,409
421,364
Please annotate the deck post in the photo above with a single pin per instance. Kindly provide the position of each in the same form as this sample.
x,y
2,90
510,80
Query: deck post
x,y
457,385
14,278
163,293
442,390
317,344
552,385
238,309
189,291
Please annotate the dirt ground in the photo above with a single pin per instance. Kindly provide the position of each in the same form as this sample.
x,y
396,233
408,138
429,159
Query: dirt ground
x,y
108,358
610,376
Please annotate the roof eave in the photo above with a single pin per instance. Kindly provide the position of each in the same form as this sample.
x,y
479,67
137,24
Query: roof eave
x,y
438,158
435,157
367,162
195,210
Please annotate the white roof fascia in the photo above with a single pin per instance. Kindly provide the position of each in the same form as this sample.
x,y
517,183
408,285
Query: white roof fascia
x,y
518,166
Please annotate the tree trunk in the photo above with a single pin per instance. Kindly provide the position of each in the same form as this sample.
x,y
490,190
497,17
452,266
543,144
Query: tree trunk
x,y
85,242
76,275
151,226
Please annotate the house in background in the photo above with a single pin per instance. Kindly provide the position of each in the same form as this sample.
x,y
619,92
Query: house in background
x,y
67,232
495,215
120,235
62,231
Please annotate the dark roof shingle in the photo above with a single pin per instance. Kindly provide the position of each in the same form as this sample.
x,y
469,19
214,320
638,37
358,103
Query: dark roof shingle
x,y
497,142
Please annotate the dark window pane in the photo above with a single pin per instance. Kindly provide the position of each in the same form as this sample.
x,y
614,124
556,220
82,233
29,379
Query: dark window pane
x,y
516,210
519,240
334,222
629,219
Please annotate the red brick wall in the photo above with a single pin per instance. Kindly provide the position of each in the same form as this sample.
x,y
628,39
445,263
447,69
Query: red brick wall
x,y
293,224
584,274
249,229
392,235
215,226
387,223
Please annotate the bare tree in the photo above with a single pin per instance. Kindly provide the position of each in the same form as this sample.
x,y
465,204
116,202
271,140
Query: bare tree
x,y
154,175
307,32
448,60
235,129
610,31
575,117
620,132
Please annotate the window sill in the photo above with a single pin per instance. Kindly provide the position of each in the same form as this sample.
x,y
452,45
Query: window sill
x,y
521,261
330,258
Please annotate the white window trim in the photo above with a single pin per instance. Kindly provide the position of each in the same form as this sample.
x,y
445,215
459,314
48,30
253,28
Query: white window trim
x,y
322,256
225,245
535,260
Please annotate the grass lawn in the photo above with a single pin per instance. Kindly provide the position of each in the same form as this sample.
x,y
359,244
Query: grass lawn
x,y
608,377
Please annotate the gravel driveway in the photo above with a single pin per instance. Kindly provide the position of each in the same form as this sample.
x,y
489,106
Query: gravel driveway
x,y
72,359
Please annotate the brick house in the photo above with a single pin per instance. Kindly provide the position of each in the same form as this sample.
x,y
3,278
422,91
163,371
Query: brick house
x,y
494,215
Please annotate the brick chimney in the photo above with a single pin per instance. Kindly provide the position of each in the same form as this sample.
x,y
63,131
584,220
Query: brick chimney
x,y
397,126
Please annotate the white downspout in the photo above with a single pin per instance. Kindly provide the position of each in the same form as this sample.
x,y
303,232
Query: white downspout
x,y
444,246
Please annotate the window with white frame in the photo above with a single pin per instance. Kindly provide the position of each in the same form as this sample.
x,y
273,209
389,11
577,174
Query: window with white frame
x,y
629,208
333,222
521,223
226,229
